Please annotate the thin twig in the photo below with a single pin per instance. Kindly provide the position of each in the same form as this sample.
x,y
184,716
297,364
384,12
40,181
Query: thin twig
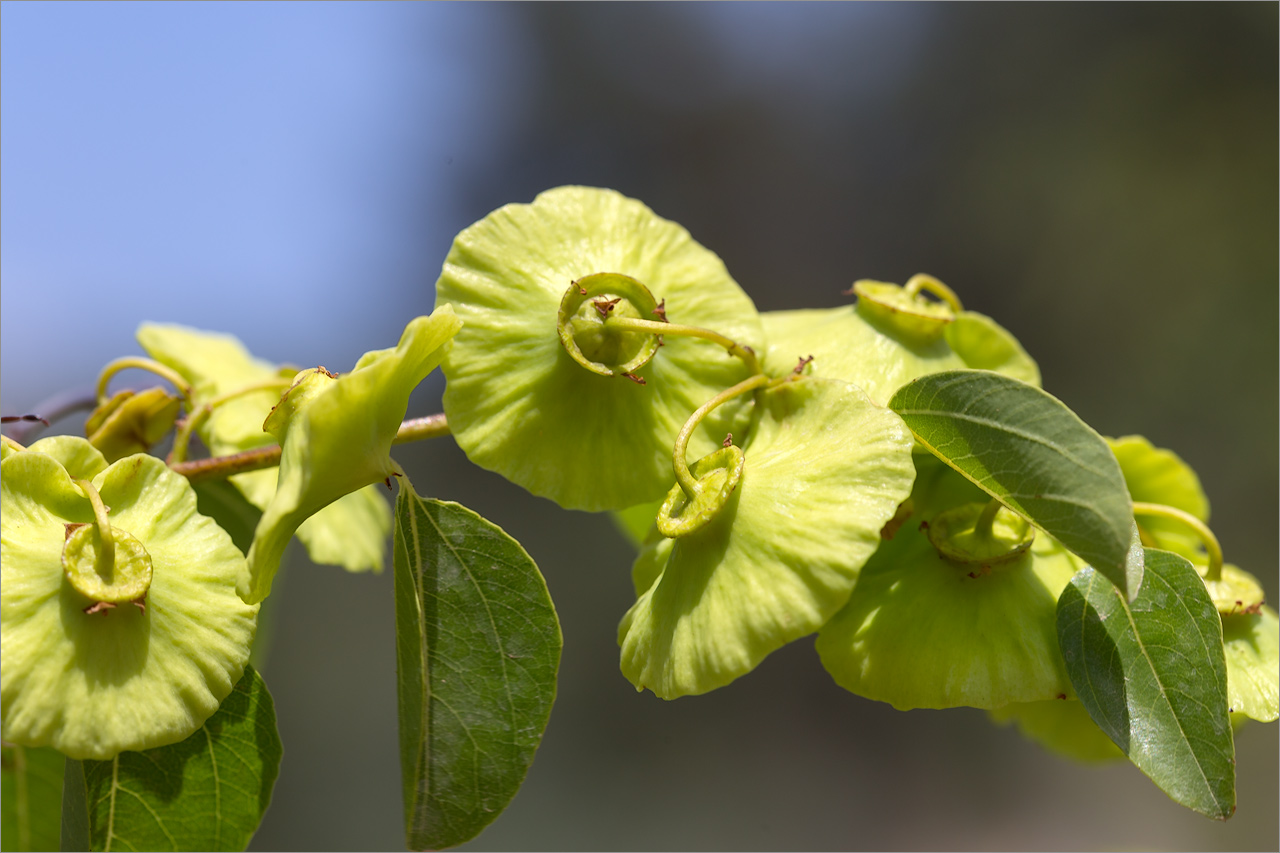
x,y
53,409
219,467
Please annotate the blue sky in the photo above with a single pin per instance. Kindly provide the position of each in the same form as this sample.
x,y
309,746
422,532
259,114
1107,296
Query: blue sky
x,y
281,171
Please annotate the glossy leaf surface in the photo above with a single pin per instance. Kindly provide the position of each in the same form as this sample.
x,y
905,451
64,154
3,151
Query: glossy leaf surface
x,y
31,793
1153,676
1033,454
75,807
208,792
477,649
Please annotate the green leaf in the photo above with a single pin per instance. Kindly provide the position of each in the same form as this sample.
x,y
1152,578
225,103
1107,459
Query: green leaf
x,y
1033,454
1153,676
208,792
32,797
75,807
477,649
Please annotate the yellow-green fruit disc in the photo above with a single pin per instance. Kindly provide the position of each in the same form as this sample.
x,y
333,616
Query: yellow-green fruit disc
x,y
1159,476
337,440
1235,590
518,404
922,631
351,532
583,323
1063,727
1252,645
984,344
128,576
716,476
82,460
824,471
900,313
93,685
844,345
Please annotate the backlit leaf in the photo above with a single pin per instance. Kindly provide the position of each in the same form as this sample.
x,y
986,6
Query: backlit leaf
x,y
32,798
1033,454
477,649
208,792
1153,676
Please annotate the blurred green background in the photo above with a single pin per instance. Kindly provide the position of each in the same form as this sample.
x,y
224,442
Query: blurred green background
x,y
1102,179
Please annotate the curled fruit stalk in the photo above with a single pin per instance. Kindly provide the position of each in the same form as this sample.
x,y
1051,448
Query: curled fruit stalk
x,y
1233,590
735,349
197,418
601,346
928,284
1210,542
700,493
105,565
164,372
980,534
602,325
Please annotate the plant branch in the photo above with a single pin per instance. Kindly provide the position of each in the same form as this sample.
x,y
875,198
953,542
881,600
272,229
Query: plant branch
x,y
221,467
53,409
416,429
